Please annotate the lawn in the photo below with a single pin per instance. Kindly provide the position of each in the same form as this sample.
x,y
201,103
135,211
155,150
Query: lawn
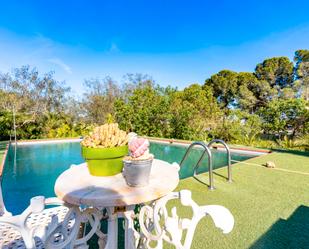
x,y
270,206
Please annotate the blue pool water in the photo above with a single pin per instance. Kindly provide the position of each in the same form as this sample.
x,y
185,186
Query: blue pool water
x,y
38,166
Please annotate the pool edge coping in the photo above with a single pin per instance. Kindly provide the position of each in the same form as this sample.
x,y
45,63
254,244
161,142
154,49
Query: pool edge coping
x,y
185,142
2,164
49,141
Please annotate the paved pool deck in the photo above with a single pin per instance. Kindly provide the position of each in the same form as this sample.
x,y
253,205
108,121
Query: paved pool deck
x,y
270,206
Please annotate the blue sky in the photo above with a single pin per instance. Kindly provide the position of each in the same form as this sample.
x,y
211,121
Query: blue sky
x,y
176,42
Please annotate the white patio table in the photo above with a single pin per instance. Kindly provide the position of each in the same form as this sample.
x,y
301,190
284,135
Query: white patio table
x,y
82,191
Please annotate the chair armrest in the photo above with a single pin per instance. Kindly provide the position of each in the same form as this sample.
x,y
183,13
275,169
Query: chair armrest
x,y
54,201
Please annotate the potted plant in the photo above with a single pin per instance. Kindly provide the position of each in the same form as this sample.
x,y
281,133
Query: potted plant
x,y
104,149
137,166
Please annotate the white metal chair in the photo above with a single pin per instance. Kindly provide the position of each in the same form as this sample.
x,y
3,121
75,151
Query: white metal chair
x,y
52,228
28,230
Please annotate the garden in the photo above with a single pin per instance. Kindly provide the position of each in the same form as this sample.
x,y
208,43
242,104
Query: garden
x,y
154,124
266,108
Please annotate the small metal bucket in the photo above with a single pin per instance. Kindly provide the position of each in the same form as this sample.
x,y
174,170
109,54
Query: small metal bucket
x,y
137,172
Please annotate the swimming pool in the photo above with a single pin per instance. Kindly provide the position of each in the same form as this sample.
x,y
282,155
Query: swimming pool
x,y
38,166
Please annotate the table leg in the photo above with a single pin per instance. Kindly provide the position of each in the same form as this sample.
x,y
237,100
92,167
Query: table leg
x,y
112,229
130,233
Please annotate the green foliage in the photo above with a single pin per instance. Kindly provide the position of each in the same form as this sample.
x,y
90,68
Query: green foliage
x,y
144,112
224,85
247,96
301,55
277,71
253,93
250,128
267,108
302,73
31,97
264,143
154,111
303,142
286,116
240,128
194,112
5,124
286,142
182,113
99,99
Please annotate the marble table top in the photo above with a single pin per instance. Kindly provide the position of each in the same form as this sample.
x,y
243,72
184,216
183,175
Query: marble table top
x,y
76,186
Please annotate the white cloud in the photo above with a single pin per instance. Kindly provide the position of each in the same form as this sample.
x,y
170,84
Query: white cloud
x,y
61,64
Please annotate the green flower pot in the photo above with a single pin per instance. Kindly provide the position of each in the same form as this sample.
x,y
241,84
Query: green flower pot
x,y
104,161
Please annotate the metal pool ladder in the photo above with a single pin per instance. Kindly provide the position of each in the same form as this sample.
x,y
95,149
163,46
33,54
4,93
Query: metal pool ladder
x,y
206,150
210,164
228,153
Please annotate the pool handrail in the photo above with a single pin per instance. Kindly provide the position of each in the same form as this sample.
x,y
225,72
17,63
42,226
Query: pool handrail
x,y
206,150
228,153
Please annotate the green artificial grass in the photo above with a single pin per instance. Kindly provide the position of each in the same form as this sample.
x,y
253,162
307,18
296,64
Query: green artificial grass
x,y
270,207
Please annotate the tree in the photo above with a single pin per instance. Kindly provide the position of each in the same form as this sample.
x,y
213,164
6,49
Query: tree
x,y
5,124
301,55
224,85
29,97
131,82
99,99
277,71
253,93
145,111
240,127
194,113
283,116
301,59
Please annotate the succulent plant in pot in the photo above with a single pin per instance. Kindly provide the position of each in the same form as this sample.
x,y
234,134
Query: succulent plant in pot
x,y
104,149
137,166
